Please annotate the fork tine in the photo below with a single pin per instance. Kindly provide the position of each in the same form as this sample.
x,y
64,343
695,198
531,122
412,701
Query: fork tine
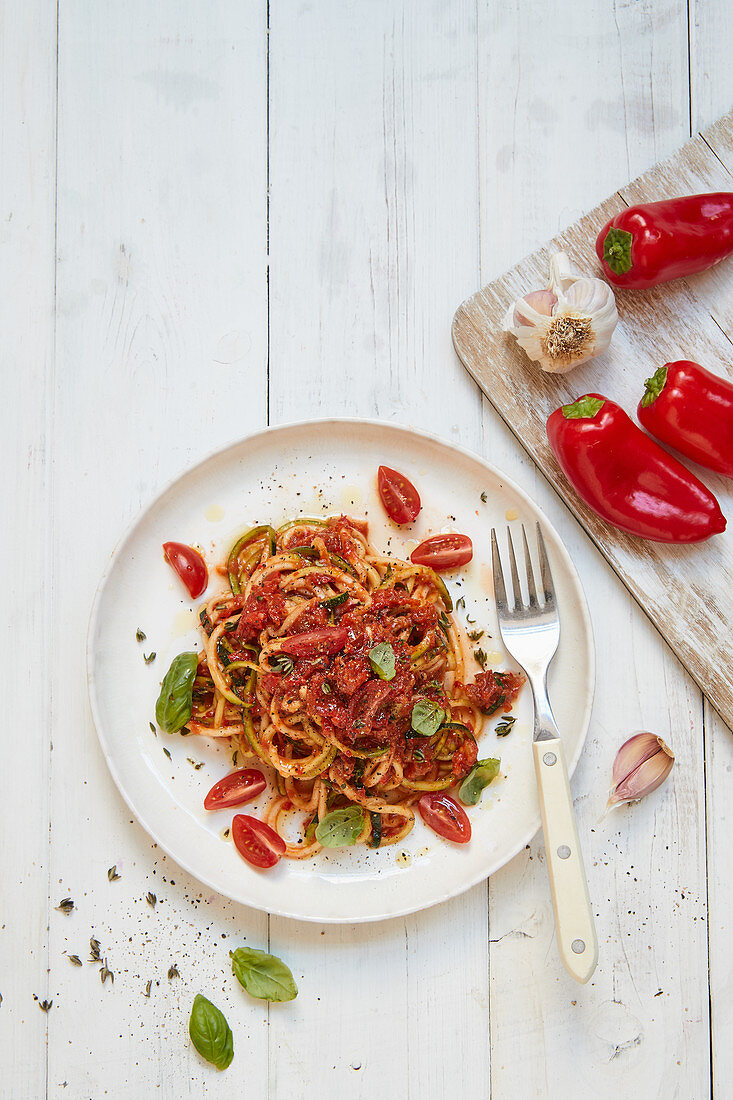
x,y
518,601
531,589
499,589
545,573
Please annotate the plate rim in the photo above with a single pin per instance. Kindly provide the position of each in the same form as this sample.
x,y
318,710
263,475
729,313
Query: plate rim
x,y
219,452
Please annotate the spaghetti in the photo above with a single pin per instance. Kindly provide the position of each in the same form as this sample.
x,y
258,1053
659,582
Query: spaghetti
x,y
342,670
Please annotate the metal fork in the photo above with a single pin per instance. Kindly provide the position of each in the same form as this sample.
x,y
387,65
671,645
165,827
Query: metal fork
x,y
531,633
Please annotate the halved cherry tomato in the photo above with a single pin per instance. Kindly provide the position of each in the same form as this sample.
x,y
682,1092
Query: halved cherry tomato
x,y
235,789
445,817
399,496
256,842
189,565
443,552
327,640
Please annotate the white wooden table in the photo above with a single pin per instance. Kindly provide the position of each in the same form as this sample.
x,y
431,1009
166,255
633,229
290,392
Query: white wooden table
x,y
214,218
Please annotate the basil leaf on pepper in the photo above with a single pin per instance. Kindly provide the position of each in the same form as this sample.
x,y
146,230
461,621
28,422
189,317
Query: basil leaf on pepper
x,y
263,976
173,708
210,1033
480,775
340,828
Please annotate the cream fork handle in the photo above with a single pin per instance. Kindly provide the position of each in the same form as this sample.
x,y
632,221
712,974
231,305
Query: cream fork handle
x,y
576,933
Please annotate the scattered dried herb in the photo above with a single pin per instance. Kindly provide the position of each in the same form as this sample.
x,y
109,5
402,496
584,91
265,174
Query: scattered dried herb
x,y
149,657
281,664
65,906
481,657
94,946
75,960
476,635
44,1005
235,757
153,729
505,726
484,497
173,972
105,973
148,987
151,898
112,874
167,753
460,602
139,635
195,763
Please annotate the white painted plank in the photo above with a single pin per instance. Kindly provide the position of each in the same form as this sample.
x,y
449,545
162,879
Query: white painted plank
x,y
712,94
373,201
711,75
584,122
27,152
161,356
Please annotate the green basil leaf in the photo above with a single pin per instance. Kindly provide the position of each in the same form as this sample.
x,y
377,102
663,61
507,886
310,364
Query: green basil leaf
x,y
427,718
210,1033
381,658
480,775
173,708
262,975
340,828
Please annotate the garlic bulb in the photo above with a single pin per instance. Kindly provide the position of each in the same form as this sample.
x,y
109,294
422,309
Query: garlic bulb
x,y
642,764
570,322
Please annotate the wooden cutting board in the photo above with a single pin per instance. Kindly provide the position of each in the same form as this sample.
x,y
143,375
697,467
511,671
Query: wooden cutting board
x,y
687,591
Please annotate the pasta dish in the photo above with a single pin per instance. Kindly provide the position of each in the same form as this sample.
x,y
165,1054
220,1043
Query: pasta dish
x,y
341,669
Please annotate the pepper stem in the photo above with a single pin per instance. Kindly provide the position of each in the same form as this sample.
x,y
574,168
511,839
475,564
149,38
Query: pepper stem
x,y
617,250
654,387
585,408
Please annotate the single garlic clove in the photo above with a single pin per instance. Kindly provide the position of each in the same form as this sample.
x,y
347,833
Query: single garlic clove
x,y
541,301
589,295
642,764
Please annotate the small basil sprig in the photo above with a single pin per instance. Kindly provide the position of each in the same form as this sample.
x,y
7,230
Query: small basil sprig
x,y
173,708
427,718
381,658
340,828
480,775
210,1033
262,975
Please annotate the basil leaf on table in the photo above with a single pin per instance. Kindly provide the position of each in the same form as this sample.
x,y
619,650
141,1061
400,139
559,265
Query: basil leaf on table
x,y
173,708
210,1033
480,775
427,718
381,658
340,828
262,975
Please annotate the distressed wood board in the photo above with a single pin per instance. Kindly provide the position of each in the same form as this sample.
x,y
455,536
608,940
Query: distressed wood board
x,y
687,591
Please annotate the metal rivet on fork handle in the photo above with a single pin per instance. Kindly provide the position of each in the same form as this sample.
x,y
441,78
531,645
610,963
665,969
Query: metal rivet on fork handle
x,y
549,758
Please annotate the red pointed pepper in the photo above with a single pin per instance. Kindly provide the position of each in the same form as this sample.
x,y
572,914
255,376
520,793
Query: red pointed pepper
x,y
691,409
654,242
626,478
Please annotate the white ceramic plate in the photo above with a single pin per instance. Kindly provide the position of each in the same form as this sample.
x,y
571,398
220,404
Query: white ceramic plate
x,y
319,468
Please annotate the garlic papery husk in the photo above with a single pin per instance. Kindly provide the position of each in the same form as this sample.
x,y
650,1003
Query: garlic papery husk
x,y
642,764
570,322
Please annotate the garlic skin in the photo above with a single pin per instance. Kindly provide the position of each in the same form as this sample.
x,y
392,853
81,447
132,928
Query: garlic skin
x,y
570,322
642,764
